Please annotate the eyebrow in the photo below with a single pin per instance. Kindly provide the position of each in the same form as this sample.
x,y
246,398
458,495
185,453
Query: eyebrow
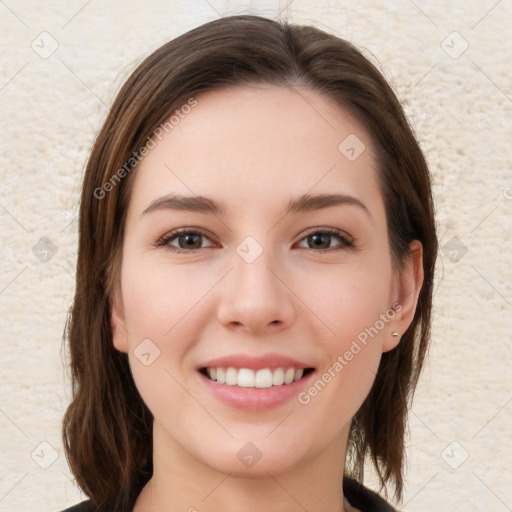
x,y
201,204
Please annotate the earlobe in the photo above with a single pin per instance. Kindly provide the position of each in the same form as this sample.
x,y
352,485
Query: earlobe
x,y
408,286
117,322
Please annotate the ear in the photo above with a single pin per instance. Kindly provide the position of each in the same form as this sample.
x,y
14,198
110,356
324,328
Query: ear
x,y
407,290
117,321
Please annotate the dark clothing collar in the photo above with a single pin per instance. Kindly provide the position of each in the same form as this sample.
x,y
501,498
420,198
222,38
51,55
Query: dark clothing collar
x,y
364,499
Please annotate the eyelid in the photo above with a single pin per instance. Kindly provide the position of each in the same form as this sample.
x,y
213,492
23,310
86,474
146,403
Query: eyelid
x,y
348,242
328,231
164,241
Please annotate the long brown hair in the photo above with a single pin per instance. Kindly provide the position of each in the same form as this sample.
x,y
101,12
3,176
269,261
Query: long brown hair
x,y
107,428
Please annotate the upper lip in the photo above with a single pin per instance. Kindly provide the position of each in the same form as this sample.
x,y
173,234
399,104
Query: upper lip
x,y
254,362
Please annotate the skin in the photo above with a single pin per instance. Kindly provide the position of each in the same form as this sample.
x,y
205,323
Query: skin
x,y
306,304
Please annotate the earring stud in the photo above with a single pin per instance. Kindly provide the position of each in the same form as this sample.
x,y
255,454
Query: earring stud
x,y
394,333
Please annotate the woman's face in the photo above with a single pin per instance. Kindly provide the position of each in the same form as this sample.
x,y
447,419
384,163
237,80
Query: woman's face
x,y
311,287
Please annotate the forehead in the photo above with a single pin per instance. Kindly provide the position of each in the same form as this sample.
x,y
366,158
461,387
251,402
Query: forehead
x,y
256,145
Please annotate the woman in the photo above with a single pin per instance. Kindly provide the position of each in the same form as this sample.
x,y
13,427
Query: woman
x,y
254,279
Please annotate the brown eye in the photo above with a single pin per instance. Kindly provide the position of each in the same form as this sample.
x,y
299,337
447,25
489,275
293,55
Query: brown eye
x,y
188,241
321,240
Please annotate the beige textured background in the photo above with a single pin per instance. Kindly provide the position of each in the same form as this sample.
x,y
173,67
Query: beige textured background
x,y
460,102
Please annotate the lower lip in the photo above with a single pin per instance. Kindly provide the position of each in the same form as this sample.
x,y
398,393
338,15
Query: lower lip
x,y
255,399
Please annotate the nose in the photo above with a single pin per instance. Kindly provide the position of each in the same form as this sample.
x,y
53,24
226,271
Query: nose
x,y
255,297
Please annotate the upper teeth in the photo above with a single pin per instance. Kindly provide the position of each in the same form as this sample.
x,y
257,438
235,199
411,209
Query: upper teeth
x,y
247,378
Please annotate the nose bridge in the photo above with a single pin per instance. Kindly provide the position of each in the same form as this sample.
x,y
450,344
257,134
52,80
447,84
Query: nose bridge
x,y
252,274
256,297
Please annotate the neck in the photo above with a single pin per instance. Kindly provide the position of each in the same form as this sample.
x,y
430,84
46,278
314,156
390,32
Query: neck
x,y
186,482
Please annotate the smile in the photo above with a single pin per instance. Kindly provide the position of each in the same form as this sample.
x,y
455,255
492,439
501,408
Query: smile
x,y
249,378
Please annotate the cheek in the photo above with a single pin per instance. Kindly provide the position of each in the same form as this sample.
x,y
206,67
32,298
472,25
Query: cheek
x,y
162,325
352,307
165,302
351,301
159,300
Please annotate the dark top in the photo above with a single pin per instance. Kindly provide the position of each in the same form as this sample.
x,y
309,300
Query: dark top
x,y
357,495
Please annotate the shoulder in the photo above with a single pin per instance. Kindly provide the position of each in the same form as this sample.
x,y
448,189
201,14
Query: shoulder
x,y
85,506
364,499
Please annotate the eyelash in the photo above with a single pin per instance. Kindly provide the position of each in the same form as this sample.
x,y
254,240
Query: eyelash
x,y
340,235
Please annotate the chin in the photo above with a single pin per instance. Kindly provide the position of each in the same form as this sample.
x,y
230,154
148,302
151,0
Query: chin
x,y
257,469
244,458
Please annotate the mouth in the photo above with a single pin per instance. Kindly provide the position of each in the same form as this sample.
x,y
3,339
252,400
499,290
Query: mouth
x,y
251,378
